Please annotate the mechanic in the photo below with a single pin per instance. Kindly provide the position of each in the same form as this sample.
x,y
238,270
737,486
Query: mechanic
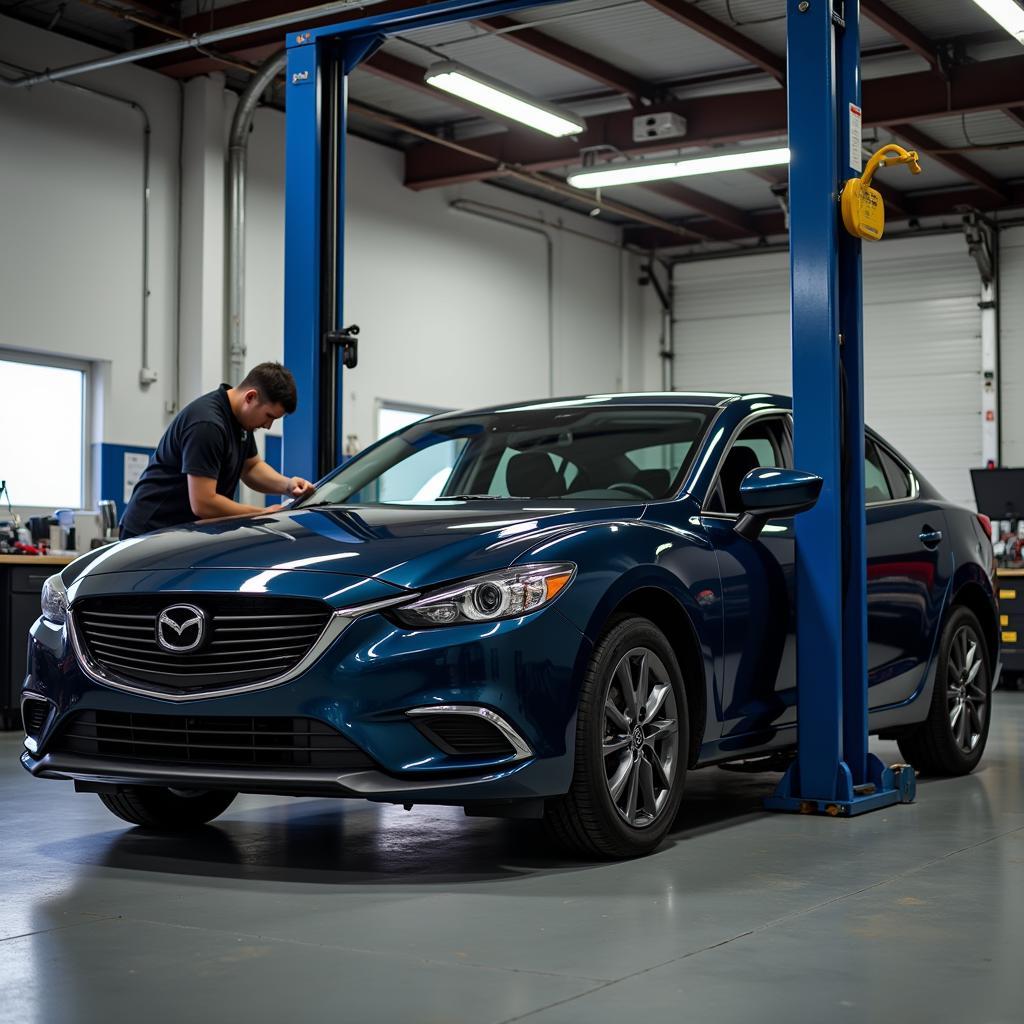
x,y
210,446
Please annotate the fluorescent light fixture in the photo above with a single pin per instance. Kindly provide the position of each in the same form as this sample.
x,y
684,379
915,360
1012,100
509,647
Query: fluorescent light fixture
x,y
502,99
638,171
1009,14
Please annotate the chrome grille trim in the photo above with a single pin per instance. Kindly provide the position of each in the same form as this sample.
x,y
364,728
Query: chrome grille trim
x,y
521,749
336,625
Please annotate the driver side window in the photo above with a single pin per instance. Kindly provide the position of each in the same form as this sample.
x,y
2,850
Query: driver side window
x,y
764,443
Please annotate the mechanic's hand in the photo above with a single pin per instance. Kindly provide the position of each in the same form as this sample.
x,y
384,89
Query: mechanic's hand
x,y
299,488
271,508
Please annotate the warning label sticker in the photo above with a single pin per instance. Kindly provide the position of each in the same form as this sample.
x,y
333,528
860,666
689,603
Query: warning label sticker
x,y
856,156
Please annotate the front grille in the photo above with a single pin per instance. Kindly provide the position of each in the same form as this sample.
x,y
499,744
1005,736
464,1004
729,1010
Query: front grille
x,y
249,638
34,712
237,742
465,735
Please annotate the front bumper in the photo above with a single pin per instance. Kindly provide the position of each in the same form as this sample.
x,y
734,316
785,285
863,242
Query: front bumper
x,y
363,685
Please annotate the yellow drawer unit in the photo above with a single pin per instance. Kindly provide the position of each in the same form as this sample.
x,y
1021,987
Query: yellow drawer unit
x,y
1010,592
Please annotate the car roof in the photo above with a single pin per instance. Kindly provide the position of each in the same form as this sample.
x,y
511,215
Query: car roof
x,y
704,399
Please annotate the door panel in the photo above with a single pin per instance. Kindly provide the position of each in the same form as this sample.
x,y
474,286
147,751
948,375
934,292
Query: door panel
x,y
907,581
759,644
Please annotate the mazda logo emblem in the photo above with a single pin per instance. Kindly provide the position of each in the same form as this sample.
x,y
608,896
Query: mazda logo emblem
x,y
181,628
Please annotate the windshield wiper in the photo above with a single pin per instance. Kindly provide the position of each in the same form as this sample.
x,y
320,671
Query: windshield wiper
x,y
481,497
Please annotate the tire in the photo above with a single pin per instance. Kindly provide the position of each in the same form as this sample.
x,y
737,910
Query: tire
x,y
167,810
619,804
951,740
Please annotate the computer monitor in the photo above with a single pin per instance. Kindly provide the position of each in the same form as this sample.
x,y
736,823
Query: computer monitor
x,y
999,493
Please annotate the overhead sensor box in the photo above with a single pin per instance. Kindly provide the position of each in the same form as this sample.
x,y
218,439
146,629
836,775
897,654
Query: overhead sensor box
x,y
658,126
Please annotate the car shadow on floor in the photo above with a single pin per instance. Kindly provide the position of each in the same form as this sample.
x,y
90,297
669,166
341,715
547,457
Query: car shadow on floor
x,y
350,842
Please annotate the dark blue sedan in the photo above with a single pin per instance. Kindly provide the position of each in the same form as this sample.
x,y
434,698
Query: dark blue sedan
x,y
552,609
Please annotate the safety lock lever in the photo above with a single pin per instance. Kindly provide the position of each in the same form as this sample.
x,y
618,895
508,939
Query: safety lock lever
x,y
346,338
862,207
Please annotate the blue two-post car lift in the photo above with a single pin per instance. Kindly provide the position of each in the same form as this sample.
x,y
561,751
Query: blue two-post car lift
x,y
833,773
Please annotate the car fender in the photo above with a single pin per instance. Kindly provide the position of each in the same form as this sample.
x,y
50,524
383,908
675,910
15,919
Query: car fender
x,y
618,560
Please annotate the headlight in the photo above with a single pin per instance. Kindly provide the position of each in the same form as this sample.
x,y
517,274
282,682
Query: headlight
x,y
55,600
498,595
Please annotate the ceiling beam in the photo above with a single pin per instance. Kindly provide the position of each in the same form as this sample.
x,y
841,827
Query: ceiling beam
x,y
1016,113
724,213
937,203
954,161
767,222
615,78
896,99
899,28
725,35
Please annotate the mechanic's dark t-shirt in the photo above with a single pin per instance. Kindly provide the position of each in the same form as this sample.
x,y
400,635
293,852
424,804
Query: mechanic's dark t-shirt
x,y
204,439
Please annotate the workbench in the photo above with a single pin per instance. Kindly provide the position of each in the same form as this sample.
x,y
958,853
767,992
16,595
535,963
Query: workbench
x,y
21,583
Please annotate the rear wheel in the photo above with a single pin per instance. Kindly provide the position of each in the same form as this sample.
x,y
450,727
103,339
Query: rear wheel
x,y
632,736
170,810
951,740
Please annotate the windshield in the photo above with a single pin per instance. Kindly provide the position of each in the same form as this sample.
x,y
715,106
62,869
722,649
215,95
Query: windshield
x,y
605,454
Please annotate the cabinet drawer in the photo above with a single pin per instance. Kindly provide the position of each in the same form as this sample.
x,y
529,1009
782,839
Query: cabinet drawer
x,y
29,579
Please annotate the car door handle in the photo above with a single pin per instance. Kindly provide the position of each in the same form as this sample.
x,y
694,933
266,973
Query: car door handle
x,y
930,538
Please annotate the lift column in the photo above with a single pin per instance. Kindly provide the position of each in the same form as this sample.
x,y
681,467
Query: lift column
x,y
833,773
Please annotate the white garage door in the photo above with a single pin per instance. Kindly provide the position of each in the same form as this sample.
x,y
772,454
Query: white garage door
x,y
1011,324
922,350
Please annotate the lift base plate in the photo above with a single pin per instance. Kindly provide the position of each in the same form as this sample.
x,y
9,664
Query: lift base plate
x,y
885,786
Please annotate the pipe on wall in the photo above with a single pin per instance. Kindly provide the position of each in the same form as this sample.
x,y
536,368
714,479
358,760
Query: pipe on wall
x,y
238,149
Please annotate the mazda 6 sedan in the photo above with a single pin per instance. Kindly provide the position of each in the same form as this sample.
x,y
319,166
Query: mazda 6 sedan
x,y
545,610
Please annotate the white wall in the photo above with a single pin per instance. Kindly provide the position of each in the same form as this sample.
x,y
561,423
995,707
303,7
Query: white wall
x,y
71,224
1011,329
453,308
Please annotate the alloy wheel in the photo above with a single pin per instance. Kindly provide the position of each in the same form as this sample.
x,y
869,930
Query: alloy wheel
x,y
966,689
640,743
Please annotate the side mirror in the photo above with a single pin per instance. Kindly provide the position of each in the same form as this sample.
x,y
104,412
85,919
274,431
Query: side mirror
x,y
767,493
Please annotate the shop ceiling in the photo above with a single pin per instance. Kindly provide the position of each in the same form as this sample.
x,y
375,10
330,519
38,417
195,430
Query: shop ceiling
x,y
941,78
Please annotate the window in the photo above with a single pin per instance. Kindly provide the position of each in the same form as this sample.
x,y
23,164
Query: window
x,y
392,416
898,477
876,487
42,445
561,453
421,475
762,444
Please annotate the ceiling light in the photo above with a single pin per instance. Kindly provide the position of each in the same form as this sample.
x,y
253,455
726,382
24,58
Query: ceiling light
x,y
650,170
502,99
1008,14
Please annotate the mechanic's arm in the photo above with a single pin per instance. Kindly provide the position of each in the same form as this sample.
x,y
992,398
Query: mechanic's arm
x,y
263,478
208,504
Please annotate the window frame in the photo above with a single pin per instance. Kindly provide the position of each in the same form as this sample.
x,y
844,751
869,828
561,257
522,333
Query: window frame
x,y
385,403
85,367
915,484
787,454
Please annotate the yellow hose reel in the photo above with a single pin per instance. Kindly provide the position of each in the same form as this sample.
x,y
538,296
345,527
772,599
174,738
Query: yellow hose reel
x,y
862,206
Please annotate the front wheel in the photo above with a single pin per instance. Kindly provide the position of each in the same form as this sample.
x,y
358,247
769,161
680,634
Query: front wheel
x,y
632,738
951,740
167,810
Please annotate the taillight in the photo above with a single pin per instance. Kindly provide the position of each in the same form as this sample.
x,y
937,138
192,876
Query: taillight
x,y
986,525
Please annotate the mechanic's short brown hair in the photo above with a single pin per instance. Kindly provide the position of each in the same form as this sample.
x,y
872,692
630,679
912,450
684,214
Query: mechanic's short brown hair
x,y
274,382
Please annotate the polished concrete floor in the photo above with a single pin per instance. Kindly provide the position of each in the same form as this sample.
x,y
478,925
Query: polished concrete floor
x,y
302,910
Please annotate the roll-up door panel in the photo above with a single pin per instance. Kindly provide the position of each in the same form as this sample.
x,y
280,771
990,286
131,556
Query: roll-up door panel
x,y
922,344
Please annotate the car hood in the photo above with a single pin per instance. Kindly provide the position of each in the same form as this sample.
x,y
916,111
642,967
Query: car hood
x,y
407,546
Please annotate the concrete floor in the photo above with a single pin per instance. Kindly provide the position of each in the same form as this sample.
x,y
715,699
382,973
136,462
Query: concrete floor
x,y
301,910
